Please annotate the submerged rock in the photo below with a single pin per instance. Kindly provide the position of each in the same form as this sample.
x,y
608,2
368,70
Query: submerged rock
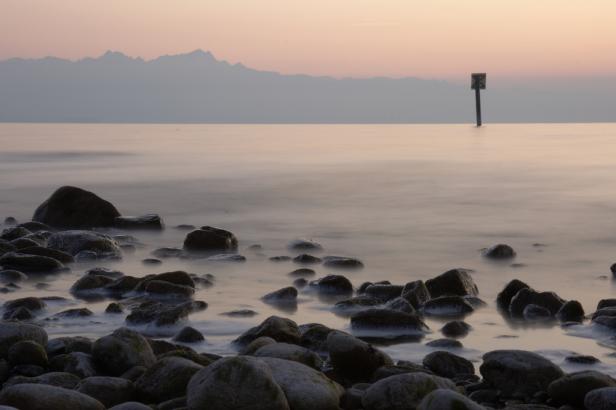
x,y
456,328
500,251
306,259
163,314
342,262
571,311
12,276
304,245
76,241
416,293
148,222
288,294
188,335
71,207
389,320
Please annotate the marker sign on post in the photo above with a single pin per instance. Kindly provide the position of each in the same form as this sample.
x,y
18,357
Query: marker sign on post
x,y
478,82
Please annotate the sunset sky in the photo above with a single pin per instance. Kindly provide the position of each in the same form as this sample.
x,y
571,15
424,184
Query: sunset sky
x,y
359,38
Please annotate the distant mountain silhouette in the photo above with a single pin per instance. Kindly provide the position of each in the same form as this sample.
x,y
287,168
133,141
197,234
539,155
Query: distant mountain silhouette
x,y
196,87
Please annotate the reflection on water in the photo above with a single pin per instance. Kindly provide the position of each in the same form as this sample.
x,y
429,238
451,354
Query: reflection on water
x,y
409,201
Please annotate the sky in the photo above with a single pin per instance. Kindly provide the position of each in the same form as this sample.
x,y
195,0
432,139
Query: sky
x,y
341,38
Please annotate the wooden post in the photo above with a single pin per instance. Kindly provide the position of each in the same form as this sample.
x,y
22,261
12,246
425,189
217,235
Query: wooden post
x,y
478,82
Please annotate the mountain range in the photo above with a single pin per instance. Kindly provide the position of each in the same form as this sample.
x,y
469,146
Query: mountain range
x,y
198,88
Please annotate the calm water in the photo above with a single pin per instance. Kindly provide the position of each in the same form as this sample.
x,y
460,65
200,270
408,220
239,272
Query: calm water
x,y
409,201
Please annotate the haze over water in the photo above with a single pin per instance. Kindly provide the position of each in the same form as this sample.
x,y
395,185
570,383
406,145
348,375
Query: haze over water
x,y
410,201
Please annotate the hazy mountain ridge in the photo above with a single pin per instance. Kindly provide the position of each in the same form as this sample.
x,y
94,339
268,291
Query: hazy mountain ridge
x,y
196,87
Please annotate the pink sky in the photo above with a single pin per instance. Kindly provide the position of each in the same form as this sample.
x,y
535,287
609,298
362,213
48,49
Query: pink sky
x,y
428,38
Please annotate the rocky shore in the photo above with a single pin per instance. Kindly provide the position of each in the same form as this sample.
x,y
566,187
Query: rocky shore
x,y
280,364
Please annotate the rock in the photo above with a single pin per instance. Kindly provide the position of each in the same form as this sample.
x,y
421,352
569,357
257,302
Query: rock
x,y
89,285
12,276
22,243
163,288
390,320
306,259
121,350
448,306
304,387
30,263
613,269
78,363
45,397
518,373
603,303
403,391
571,311
399,304
58,379
280,329
444,399
122,285
10,220
108,390
34,226
601,399
167,253
207,239
445,344
166,379
353,358
235,383
256,344
160,314
71,207
15,232
114,308
447,364
582,359
534,312
503,300
150,222
50,253
151,261
384,292
291,352
300,283
572,388
416,293
188,335
6,246
282,258
63,345
356,304
288,294
302,272
333,284
226,257
456,328
341,262
401,368
304,245
75,242
74,313
548,300
27,352
314,337
132,405
176,277
11,333
19,314
454,282
240,313
500,251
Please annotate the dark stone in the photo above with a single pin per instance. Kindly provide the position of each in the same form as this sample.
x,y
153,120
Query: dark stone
x,y
167,253
306,259
108,390
240,313
34,226
603,303
281,295
15,232
22,243
353,358
300,283
33,304
151,261
71,207
582,359
400,304
448,306
27,352
88,285
44,397
456,328
500,251
109,273
30,263
176,277
6,246
149,222
572,388
74,313
388,320
503,300
9,220
282,258
314,336
78,363
304,245
302,272
445,344
189,335
58,379
333,284
121,350
166,379
168,289
536,313
548,300
454,282
342,262
114,307
447,364
280,329
64,345
404,367
601,399
161,314
291,352
384,292
416,293
76,242
12,276
48,252
571,311
207,239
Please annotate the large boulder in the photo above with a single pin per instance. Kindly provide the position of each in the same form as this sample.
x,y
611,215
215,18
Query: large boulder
x,y
278,328
74,242
108,390
454,282
45,397
166,379
444,399
353,358
518,373
572,388
239,382
123,349
403,391
71,207
209,239
11,333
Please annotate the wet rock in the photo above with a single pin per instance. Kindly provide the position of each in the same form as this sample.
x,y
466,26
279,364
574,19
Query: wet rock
x,y
15,232
400,368
9,221
75,242
304,387
121,350
256,344
240,313
304,245
445,344
234,383
149,222
581,359
45,397
444,399
287,294
32,304
34,226
161,314
71,207
208,239
388,320
19,314
282,258
518,373
400,304
503,300
356,304
12,276
108,273
571,311
22,243
63,345
447,364
500,251
353,358
403,391
166,379
78,363
27,352
601,399
227,257
164,253
58,379
28,370
188,335
280,329
384,292
333,284
603,303
73,313
342,262
291,352
302,272
416,293
306,259
151,261
456,328
548,300
176,277
300,283
50,253
314,337
163,288
534,312
454,282
572,388
89,285
448,306
108,390
30,263
114,307
5,247
134,405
